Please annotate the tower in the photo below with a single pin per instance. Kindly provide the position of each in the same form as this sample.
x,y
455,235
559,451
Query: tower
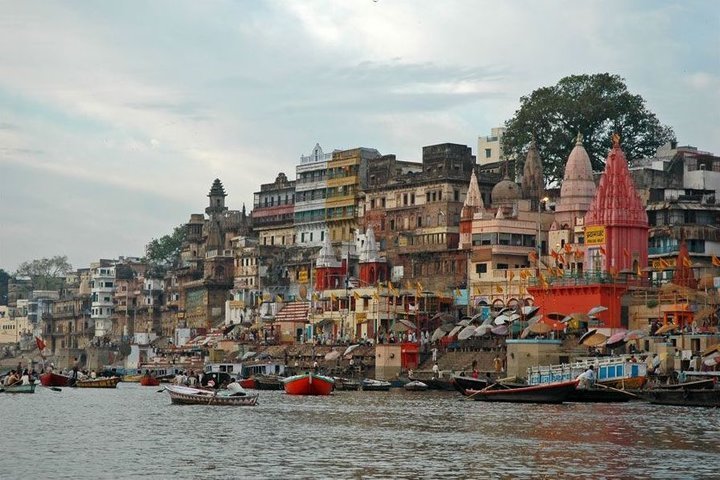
x,y
473,205
373,268
533,184
217,198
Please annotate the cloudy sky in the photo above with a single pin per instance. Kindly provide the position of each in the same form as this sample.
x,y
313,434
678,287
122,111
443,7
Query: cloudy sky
x,y
115,117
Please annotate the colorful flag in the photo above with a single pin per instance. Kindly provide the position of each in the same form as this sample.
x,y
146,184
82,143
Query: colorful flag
x,y
419,286
715,261
664,263
356,295
376,296
602,251
687,262
278,299
568,248
499,289
332,298
554,254
533,256
511,275
40,344
579,253
458,292
626,253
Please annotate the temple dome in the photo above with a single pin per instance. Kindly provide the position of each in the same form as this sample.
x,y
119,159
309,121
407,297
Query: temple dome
x,y
578,186
505,192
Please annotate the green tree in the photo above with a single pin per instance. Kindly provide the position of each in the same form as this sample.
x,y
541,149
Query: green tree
x,y
46,273
593,105
4,278
165,251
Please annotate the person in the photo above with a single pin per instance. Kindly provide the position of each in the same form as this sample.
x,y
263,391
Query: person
x,y
475,373
587,378
9,378
25,379
236,388
93,375
633,359
434,354
497,362
351,364
436,370
315,366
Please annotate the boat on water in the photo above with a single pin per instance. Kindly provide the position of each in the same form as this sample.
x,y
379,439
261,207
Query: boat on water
x,y
134,378
52,379
269,382
100,382
149,381
195,396
462,383
544,393
30,388
248,383
349,384
614,372
415,386
309,384
372,385
684,397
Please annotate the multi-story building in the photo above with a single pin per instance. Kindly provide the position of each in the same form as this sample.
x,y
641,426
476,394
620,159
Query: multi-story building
x,y
490,147
310,193
273,212
102,295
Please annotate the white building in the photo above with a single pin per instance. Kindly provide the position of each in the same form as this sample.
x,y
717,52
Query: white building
x,y
490,147
103,290
310,193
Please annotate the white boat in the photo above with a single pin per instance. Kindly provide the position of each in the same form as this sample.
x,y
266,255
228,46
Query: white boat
x,y
373,385
415,386
196,396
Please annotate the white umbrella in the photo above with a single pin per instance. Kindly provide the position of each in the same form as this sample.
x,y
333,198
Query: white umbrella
x,y
482,330
466,332
437,334
529,310
515,316
332,355
464,322
501,320
455,330
595,310
247,355
350,349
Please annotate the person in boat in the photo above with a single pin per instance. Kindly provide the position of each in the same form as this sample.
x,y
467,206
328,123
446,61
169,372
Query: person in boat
x,y
10,379
587,378
235,388
25,378
315,366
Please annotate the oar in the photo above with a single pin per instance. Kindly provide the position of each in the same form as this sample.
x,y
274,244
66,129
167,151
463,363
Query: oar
x,y
621,391
55,389
480,391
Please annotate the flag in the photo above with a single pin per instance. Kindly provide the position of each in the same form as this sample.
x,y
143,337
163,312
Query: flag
x,y
687,262
568,248
458,293
390,286
523,274
511,275
40,344
664,263
499,289
266,297
278,299
554,254
602,251
533,256
639,271
376,296
408,285
716,261
561,258
332,298
656,265
578,253
419,286
626,253
356,295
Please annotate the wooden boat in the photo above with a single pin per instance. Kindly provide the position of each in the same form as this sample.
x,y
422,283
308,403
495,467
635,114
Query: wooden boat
x,y
133,378
19,388
614,372
248,383
309,384
52,379
100,382
601,395
373,385
342,383
268,382
415,386
462,383
688,397
544,393
149,381
194,396
707,383
631,383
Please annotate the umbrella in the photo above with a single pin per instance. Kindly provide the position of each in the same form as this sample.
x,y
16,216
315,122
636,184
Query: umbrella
x,y
712,360
586,335
443,317
467,332
540,328
635,335
505,310
555,315
455,330
247,355
477,317
447,327
464,322
515,316
704,313
501,330
501,319
580,317
332,355
529,310
534,319
437,334
350,349
595,340
617,337
667,328
482,330
525,332
595,310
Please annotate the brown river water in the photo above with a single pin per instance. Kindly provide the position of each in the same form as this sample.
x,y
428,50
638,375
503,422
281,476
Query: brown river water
x,y
134,432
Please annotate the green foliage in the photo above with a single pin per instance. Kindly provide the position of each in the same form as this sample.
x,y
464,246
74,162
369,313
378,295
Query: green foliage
x,y
46,273
165,251
594,105
4,277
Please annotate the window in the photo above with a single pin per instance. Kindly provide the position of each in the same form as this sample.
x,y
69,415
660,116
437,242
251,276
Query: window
x,y
382,202
502,266
392,224
419,221
456,195
488,152
480,268
412,199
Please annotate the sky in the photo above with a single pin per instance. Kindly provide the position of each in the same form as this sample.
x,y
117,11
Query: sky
x,y
116,117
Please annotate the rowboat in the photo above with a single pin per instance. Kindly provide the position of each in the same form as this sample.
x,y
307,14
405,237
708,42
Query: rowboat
x,y
149,381
51,379
543,393
372,385
690,397
268,382
343,383
248,383
600,395
30,388
102,382
309,384
194,396
462,383
415,386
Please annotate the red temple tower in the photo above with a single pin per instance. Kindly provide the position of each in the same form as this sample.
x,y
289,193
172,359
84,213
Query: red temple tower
x,y
373,268
329,271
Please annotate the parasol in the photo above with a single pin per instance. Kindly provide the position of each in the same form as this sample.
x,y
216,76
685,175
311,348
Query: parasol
x,y
501,320
455,330
350,349
443,317
616,340
437,334
580,317
529,310
595,340
247,355
540,328
555,315
525,332
704,313
712,360
534,319
464,322
515,316
667,328
332,355
595,310
635,335
501,330
467,332
586,335
711,350
482,330
447,327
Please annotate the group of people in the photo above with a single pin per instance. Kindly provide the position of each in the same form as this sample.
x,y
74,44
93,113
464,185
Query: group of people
x,y
19,377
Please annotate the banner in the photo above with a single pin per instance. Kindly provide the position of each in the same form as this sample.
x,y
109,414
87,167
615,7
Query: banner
x,y
595,235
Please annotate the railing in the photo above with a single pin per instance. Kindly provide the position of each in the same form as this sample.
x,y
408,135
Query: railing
x,y
615,368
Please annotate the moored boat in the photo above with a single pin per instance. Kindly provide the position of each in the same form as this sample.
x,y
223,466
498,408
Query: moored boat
x,y
149,381
51,379
248,383
349,384
599,394
544,393
415,386
688,397
614,372
269,382
194,396
100,382
373,385
30,388
309,384
462,383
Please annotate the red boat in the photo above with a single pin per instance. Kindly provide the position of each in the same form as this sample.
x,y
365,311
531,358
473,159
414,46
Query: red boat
x,y
149,381
248,383
51,379
543,393
309,384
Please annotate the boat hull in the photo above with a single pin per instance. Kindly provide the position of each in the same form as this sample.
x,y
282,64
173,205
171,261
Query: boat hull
x,y
109,382
684,398
268,383
348,384
598,395
193,396
376,385
19,388
54,380
462,384
633,383
148,381
309,384
415,386
544,393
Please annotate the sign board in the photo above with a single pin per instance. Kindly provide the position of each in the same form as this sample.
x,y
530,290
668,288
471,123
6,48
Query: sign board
x,y
397,274
595,235
236,304
303,276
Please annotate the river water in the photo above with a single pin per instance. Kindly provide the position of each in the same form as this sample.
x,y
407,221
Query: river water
x,y
134,432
